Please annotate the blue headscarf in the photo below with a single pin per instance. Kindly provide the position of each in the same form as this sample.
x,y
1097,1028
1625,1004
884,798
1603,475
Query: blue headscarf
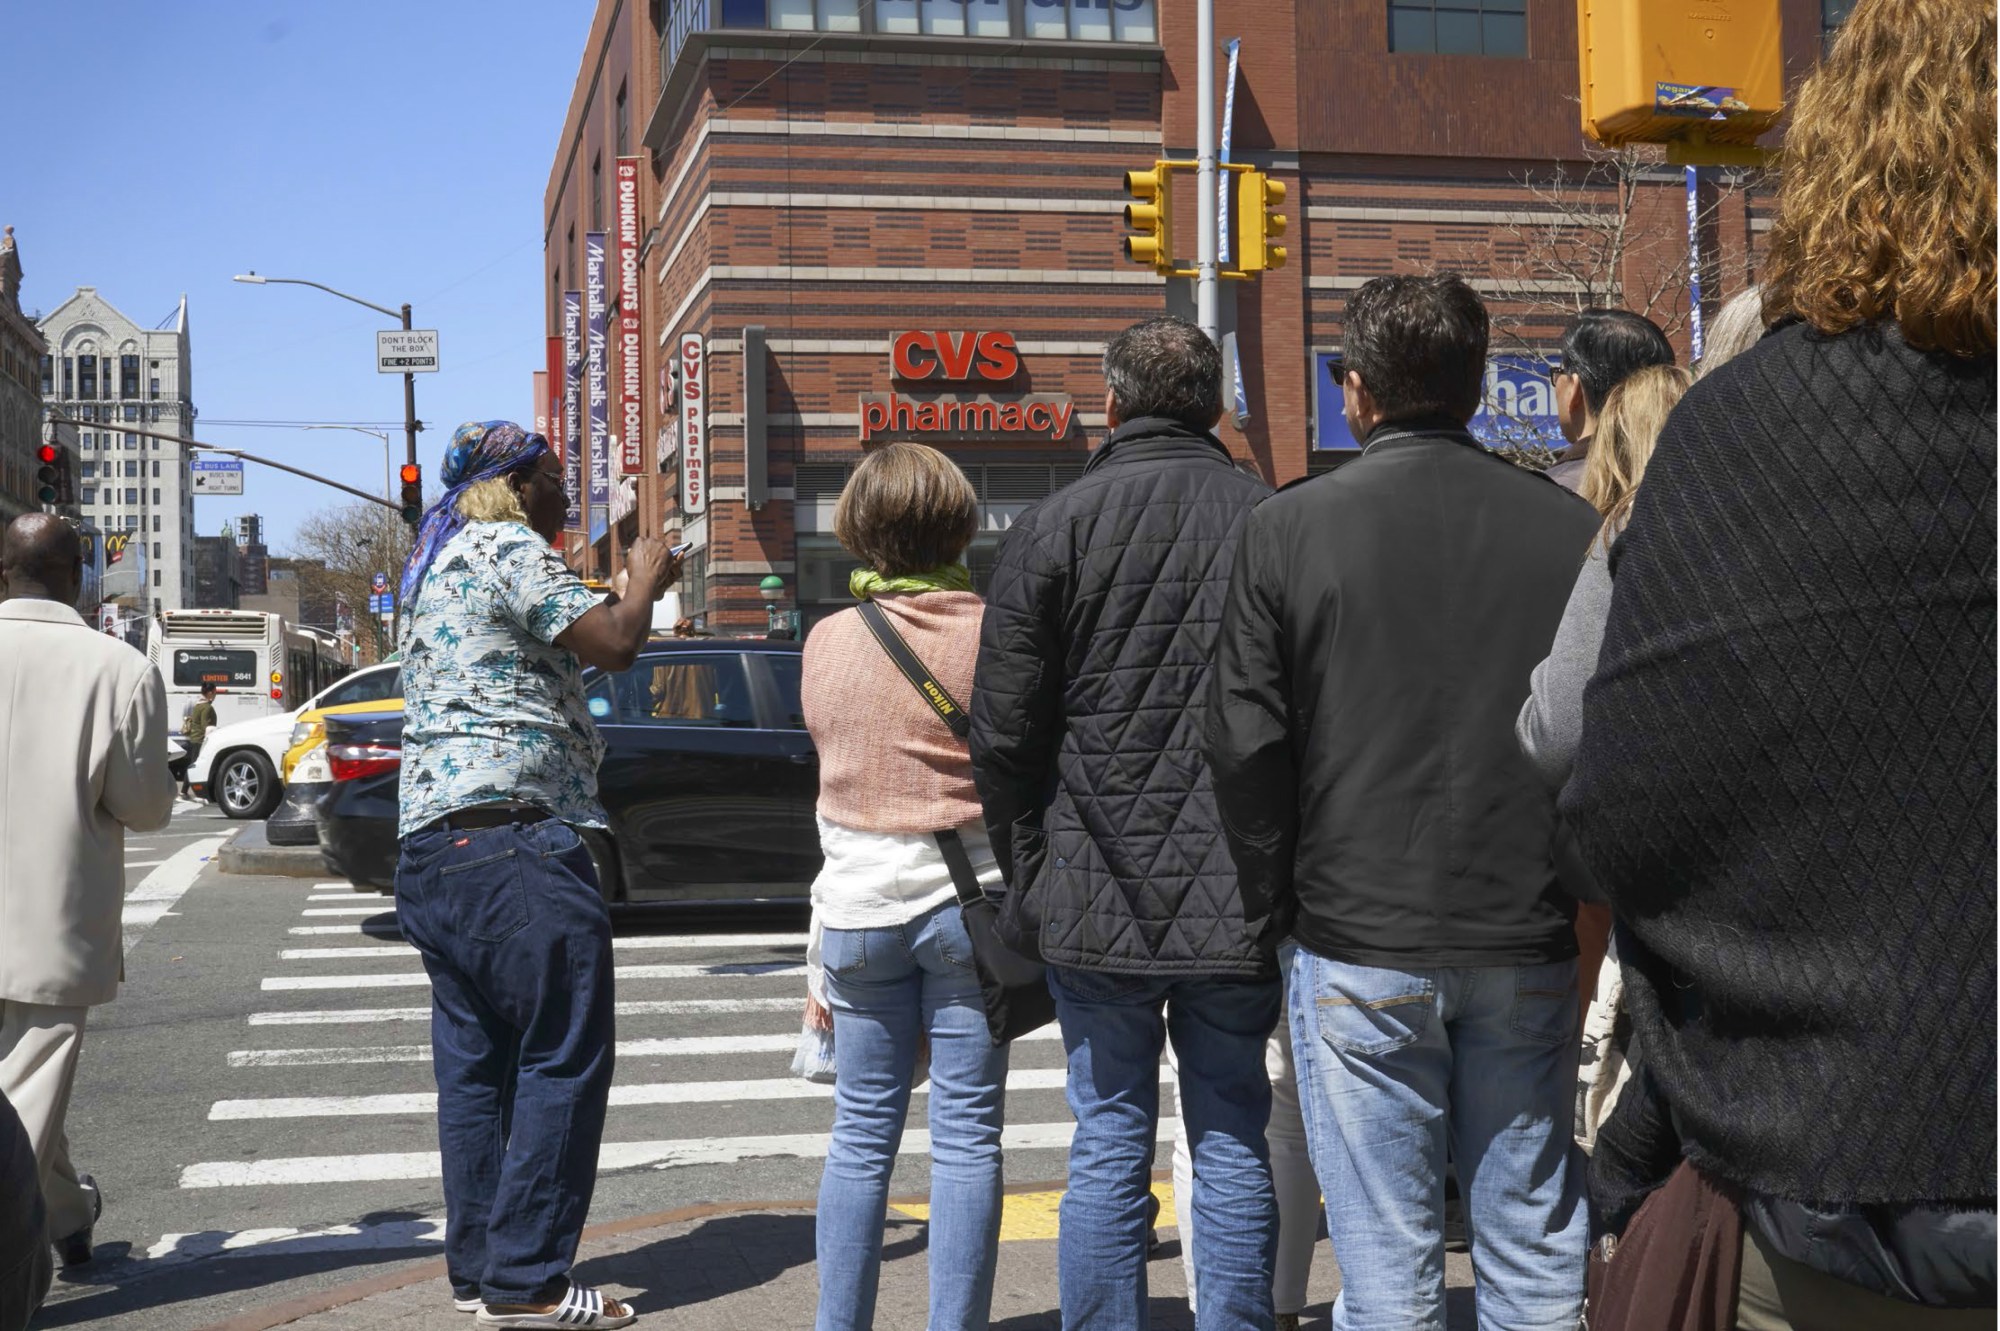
x,y
480,450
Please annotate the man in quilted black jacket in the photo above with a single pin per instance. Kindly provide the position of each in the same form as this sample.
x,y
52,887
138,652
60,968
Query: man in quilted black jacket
x,y
1087,749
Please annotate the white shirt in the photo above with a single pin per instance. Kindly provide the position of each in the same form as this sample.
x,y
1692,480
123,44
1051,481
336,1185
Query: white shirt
x,y
874,880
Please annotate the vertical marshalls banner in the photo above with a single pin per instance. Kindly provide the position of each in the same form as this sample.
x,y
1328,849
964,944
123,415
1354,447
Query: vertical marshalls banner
x,y
572,338
540,397
694,424
555,382
631,363
597,438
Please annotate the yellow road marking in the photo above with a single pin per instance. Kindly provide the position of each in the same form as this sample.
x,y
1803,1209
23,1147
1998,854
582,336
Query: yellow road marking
x,y
1033,1215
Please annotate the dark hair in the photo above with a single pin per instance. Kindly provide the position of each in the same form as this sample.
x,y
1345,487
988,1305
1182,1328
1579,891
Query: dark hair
x,y
1165,367
1603,348
1419,345
907,509
208,686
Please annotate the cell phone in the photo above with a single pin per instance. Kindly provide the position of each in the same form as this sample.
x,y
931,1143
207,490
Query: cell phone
x,y
677,551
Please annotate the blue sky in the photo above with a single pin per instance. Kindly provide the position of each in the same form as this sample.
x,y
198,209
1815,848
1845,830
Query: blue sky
x,y
397,151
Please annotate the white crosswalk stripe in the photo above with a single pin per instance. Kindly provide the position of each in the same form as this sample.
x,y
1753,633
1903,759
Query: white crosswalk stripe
x,y
707,1025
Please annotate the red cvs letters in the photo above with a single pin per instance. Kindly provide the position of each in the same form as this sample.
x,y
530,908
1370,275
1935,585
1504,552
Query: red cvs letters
x,y
954,356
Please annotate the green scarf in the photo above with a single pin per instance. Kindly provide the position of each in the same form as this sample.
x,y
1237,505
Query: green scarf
x,y
866,583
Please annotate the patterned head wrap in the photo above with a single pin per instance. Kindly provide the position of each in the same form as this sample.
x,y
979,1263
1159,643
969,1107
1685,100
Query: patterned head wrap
x,y
480,450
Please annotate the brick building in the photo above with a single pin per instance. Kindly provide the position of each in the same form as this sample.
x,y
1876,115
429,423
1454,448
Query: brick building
x,y
818,180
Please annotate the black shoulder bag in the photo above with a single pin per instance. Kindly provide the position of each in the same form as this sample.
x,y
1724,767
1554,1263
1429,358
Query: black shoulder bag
x,y
1015,988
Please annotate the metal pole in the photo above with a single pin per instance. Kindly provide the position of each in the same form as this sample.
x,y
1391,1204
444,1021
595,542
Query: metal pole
x,y
409,398
1207,228
196,446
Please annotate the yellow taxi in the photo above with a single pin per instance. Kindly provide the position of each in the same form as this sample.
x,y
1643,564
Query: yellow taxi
x,y
306,774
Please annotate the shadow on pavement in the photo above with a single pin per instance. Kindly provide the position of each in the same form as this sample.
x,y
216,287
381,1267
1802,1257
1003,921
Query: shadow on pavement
x,y
725,1255
127,1287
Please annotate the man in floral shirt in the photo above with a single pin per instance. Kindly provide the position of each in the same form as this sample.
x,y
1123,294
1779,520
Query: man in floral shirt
x,y
495,888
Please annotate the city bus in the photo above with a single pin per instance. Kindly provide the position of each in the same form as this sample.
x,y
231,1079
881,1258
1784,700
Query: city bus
x,y
260,665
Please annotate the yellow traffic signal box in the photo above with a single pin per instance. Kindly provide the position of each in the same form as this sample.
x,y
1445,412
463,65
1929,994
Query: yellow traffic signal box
x,y
1256,224
1151,218
1705,77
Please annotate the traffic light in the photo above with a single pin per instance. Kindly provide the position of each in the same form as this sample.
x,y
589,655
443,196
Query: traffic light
x,y
53,483
1256,224
413,493
1152,218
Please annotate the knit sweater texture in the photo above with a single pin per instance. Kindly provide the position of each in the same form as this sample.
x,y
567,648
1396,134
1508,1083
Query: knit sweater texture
x,y
1785,780
887,763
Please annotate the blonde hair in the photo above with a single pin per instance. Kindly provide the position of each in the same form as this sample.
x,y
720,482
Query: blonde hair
x,y
1627,429
492,500
1735,331
907,509
1886,199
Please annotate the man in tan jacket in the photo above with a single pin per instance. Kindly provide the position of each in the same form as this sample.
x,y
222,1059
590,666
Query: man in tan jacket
x,y
83,756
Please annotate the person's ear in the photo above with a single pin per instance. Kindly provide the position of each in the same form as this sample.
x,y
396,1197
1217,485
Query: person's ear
x,y
1111,420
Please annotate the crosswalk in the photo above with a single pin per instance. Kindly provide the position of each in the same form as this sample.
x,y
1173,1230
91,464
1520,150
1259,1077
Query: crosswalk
x,y
327,1083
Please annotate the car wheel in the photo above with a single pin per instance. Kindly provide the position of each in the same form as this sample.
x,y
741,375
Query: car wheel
x,y
246,786
605,862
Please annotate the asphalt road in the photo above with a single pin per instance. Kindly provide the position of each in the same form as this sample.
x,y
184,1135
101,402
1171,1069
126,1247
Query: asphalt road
x,y
256,1105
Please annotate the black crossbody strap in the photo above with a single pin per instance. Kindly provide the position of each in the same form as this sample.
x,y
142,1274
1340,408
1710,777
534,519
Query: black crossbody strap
x,y
934,693
952,846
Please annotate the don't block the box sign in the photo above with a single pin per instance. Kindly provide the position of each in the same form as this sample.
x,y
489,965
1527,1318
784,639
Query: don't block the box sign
x,y
988,403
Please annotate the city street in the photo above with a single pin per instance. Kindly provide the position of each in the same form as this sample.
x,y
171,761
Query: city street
x,y
257,1103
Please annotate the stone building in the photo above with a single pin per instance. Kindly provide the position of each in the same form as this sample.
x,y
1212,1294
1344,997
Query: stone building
x,y
106,371
21,352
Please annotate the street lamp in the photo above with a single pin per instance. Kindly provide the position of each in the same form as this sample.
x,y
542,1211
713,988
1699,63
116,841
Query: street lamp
x,y
388,464
410,425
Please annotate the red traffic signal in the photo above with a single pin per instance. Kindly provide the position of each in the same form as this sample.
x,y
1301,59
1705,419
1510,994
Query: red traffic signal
x,y
412,474
47,454
413,493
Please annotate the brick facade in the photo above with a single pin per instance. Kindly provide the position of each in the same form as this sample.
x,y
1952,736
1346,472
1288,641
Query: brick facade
x,y
838,190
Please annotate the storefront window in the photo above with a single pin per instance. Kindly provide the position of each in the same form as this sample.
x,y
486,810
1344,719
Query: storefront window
x,y
743,14
840,15
896,16
792,15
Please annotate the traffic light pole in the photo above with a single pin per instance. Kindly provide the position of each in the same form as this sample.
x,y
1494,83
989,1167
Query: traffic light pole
x,y
196,446
1206,218
410,426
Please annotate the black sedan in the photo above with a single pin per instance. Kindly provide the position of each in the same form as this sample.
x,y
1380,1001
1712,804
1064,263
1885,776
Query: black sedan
x,y
709,778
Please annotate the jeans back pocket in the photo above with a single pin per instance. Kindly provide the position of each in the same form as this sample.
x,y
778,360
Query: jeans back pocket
x,y
1369,1010
489,903
1547,1007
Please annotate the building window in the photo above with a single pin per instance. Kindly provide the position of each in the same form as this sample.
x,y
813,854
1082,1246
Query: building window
x,y
156,549
156,469
48,376
156,522
156,500
154,391
597,193
89,470
86,374
131,496
1459,27
128,376
132,412
623,120
89,495
131,441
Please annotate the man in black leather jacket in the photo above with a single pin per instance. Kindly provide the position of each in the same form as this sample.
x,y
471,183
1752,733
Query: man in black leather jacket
x,y
1087,750
1381,629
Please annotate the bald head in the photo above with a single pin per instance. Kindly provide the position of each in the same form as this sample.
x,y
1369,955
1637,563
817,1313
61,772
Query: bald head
x,y
41,557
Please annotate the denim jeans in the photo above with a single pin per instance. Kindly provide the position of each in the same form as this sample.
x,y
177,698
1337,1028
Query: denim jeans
x,y
1390,1062
518,945
1292,1176
889,987
1115,1028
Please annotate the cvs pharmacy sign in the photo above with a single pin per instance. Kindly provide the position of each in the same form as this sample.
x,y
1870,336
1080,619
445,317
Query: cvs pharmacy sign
x,y
956,390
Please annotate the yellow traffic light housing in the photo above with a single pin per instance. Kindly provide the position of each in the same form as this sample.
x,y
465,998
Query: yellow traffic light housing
x,y
1151,218
1706,84
1256,225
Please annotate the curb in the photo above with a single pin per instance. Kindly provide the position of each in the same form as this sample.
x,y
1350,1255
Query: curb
x,y
249,852
326,1300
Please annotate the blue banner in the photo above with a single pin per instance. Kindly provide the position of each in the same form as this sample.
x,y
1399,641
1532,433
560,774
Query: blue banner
x,y
597,446
1517,405
572,405
1223,179
1694,262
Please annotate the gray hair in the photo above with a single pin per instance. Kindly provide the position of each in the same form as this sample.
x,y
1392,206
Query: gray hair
x,y
1165,367
1735,330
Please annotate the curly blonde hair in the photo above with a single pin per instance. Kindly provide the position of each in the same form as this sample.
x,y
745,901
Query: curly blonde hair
x,y
492,500
1886,203
1627,429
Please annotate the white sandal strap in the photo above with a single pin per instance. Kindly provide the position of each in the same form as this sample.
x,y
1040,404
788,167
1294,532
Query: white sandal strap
x,y
582,1306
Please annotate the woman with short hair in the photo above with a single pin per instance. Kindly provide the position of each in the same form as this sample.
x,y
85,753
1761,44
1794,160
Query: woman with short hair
x,y
1785,783
898,964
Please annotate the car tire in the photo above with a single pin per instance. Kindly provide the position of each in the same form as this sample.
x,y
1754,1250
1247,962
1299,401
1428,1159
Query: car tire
x,y
246,785
604,860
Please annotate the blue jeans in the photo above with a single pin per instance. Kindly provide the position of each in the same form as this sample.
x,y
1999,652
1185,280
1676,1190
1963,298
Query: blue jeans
x,y
889,988
1390,1062
518,945
1115,1028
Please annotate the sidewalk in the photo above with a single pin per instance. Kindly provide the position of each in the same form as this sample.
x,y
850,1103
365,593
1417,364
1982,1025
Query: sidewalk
x,y
725,1268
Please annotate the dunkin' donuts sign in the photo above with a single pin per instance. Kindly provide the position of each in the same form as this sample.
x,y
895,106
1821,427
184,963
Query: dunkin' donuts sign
x,y
961,386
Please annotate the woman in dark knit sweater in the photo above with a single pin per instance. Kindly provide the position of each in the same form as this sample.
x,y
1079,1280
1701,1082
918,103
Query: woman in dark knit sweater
x,y
1786,776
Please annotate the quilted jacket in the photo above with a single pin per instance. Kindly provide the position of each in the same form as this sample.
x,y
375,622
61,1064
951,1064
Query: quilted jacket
x,y
1087,711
